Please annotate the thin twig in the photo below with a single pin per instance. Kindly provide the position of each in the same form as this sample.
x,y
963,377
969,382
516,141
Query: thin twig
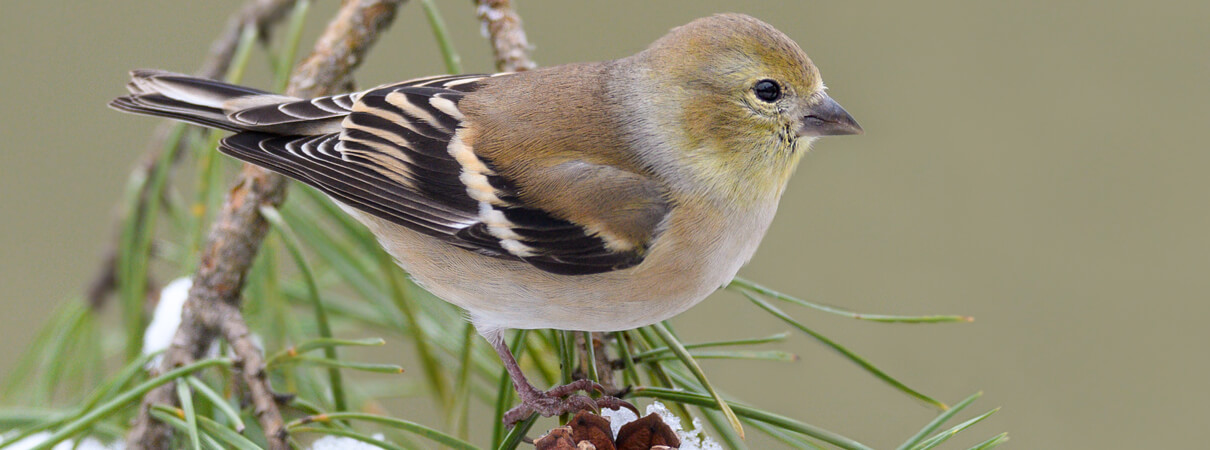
x,y
605,375
503,27
250,363
214,299
263,14
602,366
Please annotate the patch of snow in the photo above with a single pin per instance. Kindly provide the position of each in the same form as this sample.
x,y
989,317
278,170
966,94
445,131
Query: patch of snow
x,y
694,439
343,443
618,417
166,319
89,443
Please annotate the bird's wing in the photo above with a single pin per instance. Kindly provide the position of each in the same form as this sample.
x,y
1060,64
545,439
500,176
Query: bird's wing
x,y
401,157
286,115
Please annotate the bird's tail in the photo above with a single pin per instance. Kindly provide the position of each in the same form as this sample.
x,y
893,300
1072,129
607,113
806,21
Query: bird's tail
x,y
226,106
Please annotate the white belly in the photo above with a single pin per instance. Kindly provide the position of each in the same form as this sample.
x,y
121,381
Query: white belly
x,y
680,270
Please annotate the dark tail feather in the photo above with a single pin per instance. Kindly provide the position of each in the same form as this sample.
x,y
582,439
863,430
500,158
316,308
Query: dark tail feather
x,y
161,106
150,80
190,99
229,107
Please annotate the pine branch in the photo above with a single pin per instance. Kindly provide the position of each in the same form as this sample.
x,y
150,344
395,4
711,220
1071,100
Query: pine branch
x,y
213,305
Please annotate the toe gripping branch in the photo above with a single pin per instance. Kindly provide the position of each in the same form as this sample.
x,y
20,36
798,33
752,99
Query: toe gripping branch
x,y
562,400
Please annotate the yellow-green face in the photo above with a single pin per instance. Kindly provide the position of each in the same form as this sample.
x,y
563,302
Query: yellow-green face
x,y
747,93
744,82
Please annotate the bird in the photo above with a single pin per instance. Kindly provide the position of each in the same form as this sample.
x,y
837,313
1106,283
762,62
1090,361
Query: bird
x,y
598,196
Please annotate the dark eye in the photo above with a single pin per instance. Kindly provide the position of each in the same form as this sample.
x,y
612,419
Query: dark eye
x,y
767,90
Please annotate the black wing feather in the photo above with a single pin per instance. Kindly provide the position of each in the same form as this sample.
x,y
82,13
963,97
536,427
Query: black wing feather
x,y
394,163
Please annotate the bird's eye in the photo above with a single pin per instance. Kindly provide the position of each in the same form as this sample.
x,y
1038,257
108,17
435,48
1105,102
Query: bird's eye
x,y
767,90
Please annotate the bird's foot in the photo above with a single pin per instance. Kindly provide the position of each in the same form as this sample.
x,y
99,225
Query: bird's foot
x,y
563,399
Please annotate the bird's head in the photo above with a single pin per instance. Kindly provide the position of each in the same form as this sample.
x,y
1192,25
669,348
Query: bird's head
x,y
746,96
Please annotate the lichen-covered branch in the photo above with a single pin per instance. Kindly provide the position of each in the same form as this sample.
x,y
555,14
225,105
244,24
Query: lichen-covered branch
x,y
213,305
503,27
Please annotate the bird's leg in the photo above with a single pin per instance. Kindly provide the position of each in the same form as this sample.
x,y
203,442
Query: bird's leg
x,y
557,400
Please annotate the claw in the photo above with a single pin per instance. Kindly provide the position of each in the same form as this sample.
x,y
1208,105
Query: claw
x,y
562,400
615,403
558,400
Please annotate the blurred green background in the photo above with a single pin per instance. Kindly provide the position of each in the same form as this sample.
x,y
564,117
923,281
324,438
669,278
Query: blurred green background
x,y
1038,165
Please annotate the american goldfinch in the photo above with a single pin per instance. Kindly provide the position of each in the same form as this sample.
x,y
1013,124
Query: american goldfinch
x,y
593,197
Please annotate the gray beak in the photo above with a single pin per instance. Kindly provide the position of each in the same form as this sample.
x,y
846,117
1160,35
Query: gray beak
x,y
827,118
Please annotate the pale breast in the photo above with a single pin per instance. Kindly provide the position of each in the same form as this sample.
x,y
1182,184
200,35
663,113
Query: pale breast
x,y
702,250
